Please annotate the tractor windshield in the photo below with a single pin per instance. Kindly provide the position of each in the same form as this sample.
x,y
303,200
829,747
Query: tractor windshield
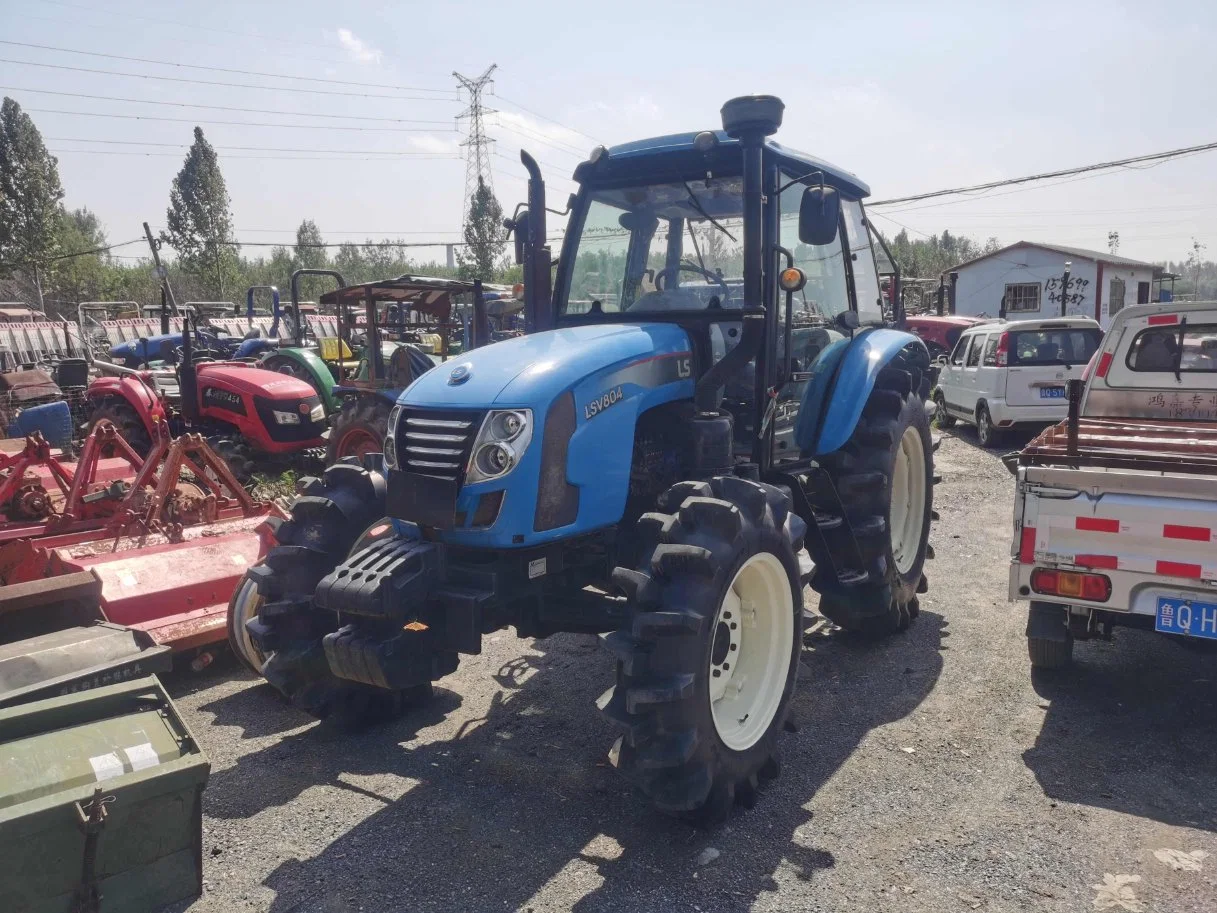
x,y
659,248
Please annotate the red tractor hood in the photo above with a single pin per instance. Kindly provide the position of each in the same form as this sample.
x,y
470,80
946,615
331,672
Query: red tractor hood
x,y
241,379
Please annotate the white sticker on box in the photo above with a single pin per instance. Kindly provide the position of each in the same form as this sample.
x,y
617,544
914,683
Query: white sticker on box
x,y
106,766
536,568
141,756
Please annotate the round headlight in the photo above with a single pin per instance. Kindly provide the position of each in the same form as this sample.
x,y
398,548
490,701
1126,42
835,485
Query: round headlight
x,y
495,459
508,425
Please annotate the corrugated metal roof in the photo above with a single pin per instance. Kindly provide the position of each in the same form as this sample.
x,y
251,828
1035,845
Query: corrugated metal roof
x,y
1079,252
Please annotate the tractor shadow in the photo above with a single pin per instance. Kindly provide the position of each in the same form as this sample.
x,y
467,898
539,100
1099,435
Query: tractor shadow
x,y
1131,728
519,809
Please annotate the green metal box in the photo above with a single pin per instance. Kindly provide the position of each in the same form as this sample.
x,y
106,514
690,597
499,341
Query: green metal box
x,y
100,802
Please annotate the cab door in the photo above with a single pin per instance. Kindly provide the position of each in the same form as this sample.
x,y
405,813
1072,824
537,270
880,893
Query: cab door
x,y
971,380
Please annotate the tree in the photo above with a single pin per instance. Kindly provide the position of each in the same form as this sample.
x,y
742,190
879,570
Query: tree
x,y
199,220
309,254
29,195
75,279
484,235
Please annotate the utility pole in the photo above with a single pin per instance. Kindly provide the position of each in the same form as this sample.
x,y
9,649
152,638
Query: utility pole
x,y
1065,287
478,146
161,273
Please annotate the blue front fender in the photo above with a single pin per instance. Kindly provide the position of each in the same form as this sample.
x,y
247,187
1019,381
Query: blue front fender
x,y
846,371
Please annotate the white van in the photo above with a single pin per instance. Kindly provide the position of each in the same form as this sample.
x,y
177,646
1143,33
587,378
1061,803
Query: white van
x,y
1004,373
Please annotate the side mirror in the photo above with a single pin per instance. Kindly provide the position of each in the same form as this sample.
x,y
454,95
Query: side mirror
x,y
941,361
519,230
819,215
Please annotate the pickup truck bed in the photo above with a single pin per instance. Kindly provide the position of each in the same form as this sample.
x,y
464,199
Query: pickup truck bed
x,y
1139,444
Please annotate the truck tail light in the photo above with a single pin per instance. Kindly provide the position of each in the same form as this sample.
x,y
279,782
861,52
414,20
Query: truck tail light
x,y
1072,584
1003,350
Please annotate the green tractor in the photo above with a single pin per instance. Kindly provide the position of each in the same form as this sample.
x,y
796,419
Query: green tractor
x,y
706,414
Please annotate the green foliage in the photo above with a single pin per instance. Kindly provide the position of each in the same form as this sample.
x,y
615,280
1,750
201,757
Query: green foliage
x,y
929,258
200,223
484,235
29,191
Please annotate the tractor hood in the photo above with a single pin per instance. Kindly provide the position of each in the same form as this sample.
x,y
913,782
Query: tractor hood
x,y
531,371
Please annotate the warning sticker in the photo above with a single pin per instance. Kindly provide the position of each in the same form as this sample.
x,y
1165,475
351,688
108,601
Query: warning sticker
x,y
106,766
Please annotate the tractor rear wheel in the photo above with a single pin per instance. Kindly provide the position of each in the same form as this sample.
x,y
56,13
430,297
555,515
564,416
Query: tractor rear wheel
x,y
708,663
124,418
273,625
358,429
884,475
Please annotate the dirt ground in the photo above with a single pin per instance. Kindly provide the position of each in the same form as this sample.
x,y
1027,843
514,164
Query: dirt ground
x,y
932,772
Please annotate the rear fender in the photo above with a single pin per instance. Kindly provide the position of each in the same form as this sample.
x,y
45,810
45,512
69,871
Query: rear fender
x,y
134,392
839,389
311,362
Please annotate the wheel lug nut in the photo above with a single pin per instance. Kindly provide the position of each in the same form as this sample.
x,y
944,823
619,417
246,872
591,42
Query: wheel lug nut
x,y
733,646
733,626
726,665
716,673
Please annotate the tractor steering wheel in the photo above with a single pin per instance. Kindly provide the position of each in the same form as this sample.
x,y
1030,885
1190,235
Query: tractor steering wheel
x,y
661,277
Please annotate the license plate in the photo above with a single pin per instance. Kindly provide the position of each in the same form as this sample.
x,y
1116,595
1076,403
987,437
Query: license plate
x,y
1186,616
1052,392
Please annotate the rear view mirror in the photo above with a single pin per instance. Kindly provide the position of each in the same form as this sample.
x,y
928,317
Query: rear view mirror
x,y
819,215
519,231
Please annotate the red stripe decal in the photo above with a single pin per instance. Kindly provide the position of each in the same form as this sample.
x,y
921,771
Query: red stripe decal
x,y
1026,546
1097,525
1104,364
1110,562
1176,569
1163,319
1193,533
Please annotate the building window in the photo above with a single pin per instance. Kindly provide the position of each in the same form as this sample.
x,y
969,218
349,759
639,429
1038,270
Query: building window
x,y
1023,296
1115,302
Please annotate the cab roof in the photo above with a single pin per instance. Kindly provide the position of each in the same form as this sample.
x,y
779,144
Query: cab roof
x,y
678,146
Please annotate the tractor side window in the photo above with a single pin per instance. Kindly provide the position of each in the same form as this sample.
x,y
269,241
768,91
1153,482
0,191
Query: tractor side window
x,y
826,294
866,276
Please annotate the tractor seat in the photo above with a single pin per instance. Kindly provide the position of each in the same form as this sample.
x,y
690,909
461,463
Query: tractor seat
x,y
407,364
334,350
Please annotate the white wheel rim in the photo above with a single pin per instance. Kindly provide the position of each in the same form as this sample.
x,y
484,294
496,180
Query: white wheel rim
x,y
246,603
906,517
753,637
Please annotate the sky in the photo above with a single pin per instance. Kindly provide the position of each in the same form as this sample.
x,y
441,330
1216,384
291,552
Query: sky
x,y
911,97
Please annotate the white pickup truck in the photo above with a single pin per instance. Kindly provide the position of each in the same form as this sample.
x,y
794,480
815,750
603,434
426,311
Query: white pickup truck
x,y
1115,514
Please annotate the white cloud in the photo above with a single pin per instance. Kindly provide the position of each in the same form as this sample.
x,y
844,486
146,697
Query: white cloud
x,y
359,50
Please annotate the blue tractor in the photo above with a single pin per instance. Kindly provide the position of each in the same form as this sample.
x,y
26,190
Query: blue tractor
x,y
706,399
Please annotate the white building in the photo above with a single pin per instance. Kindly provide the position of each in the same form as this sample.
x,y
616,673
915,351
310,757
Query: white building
x,y
1026,278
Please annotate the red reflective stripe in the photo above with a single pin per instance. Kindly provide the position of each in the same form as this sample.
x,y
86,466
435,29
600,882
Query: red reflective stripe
x,y
1026,546
1194,533
1176,569
1110,562
1097,525
1104,364
1161,319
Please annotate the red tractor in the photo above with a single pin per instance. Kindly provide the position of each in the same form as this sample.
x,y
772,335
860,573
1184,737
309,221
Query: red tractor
x,y
250,416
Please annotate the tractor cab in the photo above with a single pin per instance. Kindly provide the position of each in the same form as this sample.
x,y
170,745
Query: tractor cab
x,y
705,415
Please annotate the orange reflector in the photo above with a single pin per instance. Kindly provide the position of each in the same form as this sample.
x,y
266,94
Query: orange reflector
x,y
415,626
792,279
517,290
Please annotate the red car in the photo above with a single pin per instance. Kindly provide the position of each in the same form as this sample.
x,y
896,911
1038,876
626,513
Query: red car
x,y
939,333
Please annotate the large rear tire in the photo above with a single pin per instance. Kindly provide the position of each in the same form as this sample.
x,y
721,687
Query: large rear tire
x,y
284,628
125,419
708,663
885,476
358,429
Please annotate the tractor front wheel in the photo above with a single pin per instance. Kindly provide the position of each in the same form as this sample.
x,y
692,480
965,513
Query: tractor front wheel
x,y
124,418
358,429
273,625
237,454
884,475
708,663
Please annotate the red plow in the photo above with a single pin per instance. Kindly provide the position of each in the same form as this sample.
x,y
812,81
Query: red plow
x,y
165,538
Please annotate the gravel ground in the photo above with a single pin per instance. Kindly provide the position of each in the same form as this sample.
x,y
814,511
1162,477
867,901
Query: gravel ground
x,y
931,772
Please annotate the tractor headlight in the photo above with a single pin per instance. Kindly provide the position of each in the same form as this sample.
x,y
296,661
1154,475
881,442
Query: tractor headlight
x,y
500,444
286,418
390,445
317,414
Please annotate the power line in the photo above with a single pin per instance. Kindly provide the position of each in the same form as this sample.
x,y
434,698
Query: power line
x,y
195,66
1065,172
132,142
78,253
354,157
186,104
516,104
231,123
535,136
229,85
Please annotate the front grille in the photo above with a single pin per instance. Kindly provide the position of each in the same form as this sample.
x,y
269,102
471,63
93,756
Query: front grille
x,y
437,442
